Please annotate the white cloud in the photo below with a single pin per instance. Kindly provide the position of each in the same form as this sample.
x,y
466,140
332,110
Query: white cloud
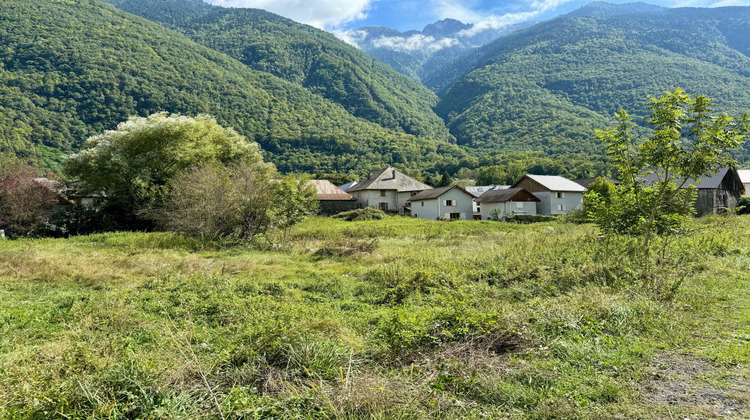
x,y
318,13
413,43
529,10
351,37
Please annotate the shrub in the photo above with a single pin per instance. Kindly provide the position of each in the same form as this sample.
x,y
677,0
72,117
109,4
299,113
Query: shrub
x,y
367,213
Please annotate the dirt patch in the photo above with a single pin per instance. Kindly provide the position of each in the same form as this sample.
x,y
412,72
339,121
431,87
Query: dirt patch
x,y
682,381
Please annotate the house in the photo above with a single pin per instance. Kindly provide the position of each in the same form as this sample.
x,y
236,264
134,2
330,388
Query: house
x,y
332,199
55,189
388,190
451,202
716,193
557,195
507,202
745,178
477,191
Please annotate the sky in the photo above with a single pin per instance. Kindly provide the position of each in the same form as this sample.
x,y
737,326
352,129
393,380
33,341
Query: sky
x,y
339,16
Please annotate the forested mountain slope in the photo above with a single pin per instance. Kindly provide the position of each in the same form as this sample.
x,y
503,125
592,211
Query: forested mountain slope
x,y
72,69
304,55
547,87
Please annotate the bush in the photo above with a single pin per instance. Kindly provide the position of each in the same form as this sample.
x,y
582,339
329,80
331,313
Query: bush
x,y
367,213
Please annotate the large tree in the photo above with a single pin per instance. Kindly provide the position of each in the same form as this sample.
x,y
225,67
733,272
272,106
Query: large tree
x,y
133,166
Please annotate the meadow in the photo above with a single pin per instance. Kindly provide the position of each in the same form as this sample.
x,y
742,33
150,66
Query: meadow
x,y
396,318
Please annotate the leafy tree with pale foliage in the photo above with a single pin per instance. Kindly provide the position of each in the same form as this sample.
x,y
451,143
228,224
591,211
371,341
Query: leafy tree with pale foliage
x,y
133,166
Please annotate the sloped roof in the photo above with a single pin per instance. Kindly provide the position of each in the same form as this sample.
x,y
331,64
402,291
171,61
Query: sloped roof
x,y
708,182
348,185
476,191
329,192
436,192
390,179
744,175
585,182
554,183
509,194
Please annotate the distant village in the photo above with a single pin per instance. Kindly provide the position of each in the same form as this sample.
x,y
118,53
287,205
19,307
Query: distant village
x,y
546,195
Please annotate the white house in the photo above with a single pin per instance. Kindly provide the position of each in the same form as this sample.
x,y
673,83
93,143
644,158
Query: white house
x,y
745,178
451,202
507,202
557,195
388,190
478,190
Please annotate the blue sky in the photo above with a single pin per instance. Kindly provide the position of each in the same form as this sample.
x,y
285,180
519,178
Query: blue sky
x,y
342,15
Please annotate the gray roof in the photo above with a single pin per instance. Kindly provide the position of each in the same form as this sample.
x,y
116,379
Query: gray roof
x,y
500,196
476,191
707,182
555,183
436,192
348,185
390,179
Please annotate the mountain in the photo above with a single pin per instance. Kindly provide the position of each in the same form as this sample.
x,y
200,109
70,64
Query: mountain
x,y
418,54
549,86
306,56
72,69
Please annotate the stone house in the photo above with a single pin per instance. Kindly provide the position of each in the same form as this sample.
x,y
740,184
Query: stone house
x,y
332,199
388,190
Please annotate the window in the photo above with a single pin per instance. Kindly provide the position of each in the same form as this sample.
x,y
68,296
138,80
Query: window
x,y
383,206
422,203
561,207
455,216
382,193
519,205
413,193
560,195
450,203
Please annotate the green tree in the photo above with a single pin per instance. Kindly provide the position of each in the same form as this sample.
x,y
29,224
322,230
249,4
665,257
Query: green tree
x,y
686,142
133,166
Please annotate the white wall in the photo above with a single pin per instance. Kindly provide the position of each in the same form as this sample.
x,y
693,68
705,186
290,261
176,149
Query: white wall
x,y
525,208
549,204
372,198
435,208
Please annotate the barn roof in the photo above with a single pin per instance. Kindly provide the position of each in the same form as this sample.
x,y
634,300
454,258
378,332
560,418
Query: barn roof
x,y
744,175
329,192
707,182
390,179
510,194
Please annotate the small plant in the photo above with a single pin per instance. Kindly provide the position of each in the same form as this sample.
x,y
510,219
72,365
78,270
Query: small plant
x,y
359,215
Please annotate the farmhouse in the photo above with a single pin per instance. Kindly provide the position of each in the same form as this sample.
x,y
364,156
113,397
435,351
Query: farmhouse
x,y
716,193
557,195
477,191
388,190
507,202
451,202
332,199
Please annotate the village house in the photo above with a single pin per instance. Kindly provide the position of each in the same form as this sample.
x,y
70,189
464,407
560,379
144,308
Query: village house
x,y
745,179
452,202
332,199
557,195
716,194
507,202
389,190
477,191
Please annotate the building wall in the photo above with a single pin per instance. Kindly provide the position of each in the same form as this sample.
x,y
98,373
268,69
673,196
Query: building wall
x,y
434,209
548,206
372,198
507,208
747,190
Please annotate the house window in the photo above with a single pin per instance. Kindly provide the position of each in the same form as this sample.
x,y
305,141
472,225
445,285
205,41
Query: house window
x,y
450,203
422,203
519,205
560,195
383,206
382,193
561,207
413,193
455,216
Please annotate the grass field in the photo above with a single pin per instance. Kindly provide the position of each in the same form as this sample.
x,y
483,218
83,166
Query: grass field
x,y
399,318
